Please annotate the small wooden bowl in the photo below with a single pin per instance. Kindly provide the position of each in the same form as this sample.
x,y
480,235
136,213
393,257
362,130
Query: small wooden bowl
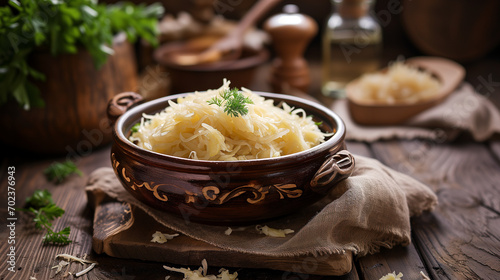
x,y
449,74
231,192
188,78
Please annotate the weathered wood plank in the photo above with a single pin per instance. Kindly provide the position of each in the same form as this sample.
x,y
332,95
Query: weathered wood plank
x,y
32,257
495,149
399,259
358,148
460,239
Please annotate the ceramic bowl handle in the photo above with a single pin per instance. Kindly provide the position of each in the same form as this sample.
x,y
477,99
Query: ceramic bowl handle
x,y
120,103
335,169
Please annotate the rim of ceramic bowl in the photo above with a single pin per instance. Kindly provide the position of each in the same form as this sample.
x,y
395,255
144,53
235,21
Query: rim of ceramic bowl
x,y
258,57
335,139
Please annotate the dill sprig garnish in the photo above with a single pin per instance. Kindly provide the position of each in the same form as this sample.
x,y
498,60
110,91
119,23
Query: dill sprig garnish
x,y
234,102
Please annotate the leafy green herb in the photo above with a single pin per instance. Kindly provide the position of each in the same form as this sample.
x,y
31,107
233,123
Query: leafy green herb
x,y
59,171
57,238
39,199
135,128
316,123
234,102
63,27
42,206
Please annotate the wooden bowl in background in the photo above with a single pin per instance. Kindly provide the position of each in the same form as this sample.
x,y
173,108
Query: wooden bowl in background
x,y
229,192
189,78
460,30
449,74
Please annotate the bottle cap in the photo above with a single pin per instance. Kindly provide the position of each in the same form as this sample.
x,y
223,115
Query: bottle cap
x,y
352,8
290,9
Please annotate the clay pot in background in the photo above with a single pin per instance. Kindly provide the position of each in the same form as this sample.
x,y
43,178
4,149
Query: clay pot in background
x,y
76,94
199,77
460,30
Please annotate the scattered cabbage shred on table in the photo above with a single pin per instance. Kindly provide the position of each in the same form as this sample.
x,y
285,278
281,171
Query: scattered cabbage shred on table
x,y
161,238
273,232
399,276
392,276
201,273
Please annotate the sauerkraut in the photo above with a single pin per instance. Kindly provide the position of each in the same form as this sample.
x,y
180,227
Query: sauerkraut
x,y
192,128
401,84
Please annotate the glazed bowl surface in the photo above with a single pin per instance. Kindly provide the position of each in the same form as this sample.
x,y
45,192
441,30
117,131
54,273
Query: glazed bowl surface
x,y
229,192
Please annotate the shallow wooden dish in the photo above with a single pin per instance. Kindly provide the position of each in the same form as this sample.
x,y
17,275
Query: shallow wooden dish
x,y
449,74
232,192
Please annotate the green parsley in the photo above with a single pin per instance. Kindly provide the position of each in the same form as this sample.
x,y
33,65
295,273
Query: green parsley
x,y
234,102
63,27
316,123
59,171
39,199
135,128
41,205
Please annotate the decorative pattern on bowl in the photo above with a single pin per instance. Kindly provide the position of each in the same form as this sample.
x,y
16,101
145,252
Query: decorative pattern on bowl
x,y
212,194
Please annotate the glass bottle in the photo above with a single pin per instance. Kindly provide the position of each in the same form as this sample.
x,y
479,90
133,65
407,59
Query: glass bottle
x,y
352,45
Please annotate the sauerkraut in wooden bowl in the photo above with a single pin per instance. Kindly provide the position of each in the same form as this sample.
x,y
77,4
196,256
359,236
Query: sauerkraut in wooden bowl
x,y
193,155
398,93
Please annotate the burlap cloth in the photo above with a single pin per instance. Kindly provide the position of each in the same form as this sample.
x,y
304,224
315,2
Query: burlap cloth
x,y
463,111
370,209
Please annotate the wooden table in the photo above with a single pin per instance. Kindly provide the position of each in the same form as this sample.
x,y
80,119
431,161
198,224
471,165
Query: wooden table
x,y
459,240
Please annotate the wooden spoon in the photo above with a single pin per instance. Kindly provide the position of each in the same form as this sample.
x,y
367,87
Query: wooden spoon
x,y
228,47
449,74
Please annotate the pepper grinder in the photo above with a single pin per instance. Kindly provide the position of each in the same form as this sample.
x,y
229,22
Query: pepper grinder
x,y
290,32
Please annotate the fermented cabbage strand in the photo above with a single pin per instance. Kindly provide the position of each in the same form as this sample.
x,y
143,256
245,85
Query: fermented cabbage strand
x,y
191,128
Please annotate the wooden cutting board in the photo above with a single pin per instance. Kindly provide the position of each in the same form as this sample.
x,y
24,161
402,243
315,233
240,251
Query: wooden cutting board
x,y
123,231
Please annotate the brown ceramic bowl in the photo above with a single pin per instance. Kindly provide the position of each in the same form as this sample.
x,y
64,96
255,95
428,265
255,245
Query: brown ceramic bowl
x,y
188,78
231,192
